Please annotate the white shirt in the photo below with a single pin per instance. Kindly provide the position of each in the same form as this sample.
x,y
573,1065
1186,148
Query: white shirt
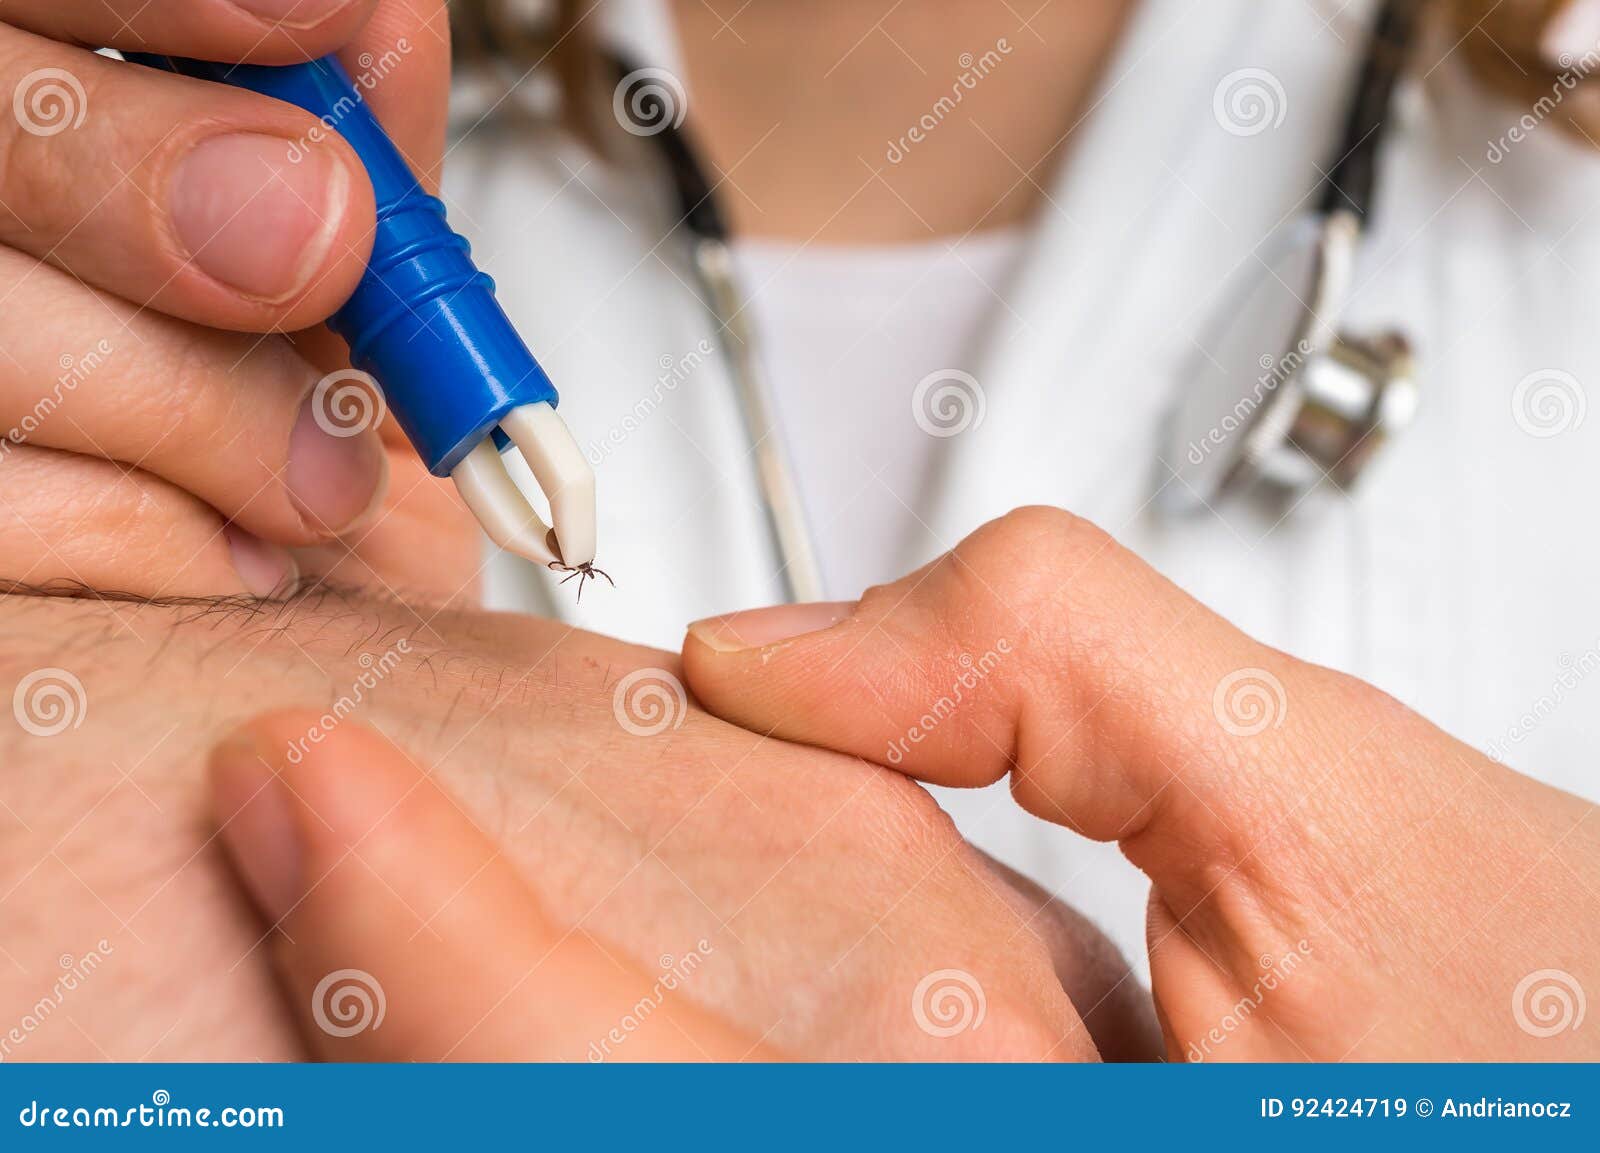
x,y
865,350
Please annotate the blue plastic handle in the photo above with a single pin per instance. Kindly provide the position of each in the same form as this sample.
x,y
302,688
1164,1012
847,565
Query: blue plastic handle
x,y
424,321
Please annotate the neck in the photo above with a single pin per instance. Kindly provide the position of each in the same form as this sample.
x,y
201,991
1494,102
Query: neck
x,y
872,122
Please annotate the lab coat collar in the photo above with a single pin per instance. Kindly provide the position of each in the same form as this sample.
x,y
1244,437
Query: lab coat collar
x,y
641,31
1075,371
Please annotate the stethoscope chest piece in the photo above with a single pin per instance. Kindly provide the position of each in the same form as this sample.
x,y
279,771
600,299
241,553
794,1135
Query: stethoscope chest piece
x,y
1281,400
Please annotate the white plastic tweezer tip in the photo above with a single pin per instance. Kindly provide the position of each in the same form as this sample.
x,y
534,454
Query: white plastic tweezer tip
x,y
564,476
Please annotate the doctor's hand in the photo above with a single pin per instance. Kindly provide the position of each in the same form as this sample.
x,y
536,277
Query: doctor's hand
x,y
1333,877
159,434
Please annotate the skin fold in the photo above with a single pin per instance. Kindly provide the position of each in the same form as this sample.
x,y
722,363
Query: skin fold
x,y
825,889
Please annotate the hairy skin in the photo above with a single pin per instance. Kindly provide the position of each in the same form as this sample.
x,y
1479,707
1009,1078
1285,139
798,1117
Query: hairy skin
x,y
825,888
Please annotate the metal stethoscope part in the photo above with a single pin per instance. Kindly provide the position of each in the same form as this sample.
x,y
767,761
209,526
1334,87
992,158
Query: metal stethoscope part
x,y
1284,400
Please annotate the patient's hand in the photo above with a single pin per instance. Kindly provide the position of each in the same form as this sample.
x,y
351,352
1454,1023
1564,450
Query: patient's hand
x,y
827,893
345,848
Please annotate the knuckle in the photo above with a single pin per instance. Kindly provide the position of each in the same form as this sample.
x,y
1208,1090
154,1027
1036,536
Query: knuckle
x,y
875,814
1042,536
33,176
170,383
879,601
123,522
108,502
59,143
57,103
904,819
208,393
1018,1027
132,512
1025,558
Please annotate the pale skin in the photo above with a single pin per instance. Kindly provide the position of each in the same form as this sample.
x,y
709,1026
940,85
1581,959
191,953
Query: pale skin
x,y
821,88
1311,832
821,93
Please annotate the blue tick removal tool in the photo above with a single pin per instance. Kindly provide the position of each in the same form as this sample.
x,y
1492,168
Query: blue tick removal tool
x,y
425,324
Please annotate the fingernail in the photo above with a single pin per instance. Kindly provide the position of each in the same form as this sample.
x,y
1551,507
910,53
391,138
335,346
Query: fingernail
x,y
264,568
293,13
335,475
258,212
756,628
1572,34
255,816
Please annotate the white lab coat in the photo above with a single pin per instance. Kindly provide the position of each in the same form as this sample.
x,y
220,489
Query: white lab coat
x,y
1461,577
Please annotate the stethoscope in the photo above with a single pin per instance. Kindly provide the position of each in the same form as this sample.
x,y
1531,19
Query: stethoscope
x,y
698,211
1282,402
